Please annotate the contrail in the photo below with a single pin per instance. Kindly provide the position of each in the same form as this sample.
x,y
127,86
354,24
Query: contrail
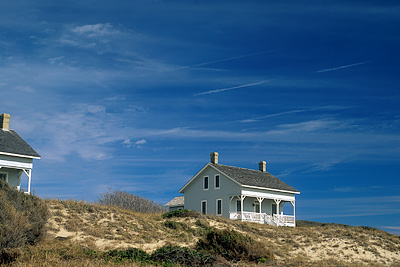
x,y
230,58
220,60
273,115
289,112
230,88
343,67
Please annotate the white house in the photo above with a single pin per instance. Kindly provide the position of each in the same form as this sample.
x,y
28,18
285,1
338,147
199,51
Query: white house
x,y
16,156
238,194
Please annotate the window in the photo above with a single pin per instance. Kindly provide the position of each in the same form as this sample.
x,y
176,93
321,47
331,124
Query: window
x,y
219,207
205,183
238,205
216,181
4,176
256,206
204,206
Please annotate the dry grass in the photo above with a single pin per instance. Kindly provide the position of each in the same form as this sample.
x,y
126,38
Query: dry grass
x,y
76,226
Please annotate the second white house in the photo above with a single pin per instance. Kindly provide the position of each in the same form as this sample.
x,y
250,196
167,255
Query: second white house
x,y
238,194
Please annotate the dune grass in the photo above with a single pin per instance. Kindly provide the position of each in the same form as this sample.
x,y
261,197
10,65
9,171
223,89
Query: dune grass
x,y
79,234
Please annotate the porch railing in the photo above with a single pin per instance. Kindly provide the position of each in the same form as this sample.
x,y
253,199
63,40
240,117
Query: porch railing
x,y
277,220
285,218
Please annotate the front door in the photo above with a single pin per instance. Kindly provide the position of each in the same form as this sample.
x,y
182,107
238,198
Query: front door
x,y
273,207
256,207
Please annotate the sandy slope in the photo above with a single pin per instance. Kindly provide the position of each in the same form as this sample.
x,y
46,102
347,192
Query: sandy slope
x,y
111,228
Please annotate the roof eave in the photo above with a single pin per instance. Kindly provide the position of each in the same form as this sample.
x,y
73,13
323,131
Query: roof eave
x,y
19,155
271,189
176,205
192,179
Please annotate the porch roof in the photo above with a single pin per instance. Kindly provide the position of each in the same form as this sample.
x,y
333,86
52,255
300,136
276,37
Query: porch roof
x,y
12,143
254,178
177,201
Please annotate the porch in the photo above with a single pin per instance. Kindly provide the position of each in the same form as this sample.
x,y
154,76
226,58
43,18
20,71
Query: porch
x,y
275,219
266,209
12,175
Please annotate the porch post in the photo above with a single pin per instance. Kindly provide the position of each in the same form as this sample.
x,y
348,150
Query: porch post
x,y
277,201
241,206
293,202
260,200
28,173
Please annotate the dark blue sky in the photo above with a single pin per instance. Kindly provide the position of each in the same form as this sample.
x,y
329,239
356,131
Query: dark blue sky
x,y
135,95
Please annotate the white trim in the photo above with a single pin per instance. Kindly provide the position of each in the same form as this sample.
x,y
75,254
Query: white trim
x,y
29,174
197,174
194,177
204,182
216,207
215,181
267,195
201,207
15,164
271,189
18,155
6,173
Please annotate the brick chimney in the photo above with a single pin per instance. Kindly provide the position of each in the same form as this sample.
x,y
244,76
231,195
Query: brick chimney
x,y
214,157
5,121
262,166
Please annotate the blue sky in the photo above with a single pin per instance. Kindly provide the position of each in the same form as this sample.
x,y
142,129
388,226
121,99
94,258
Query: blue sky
x,y
135,95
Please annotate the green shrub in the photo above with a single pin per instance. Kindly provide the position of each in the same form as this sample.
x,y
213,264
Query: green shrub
x,y
181,213
129,254
170,255
233,246
22,221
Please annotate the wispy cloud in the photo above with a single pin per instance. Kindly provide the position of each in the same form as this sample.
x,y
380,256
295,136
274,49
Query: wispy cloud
x,y
321,166
85,130
308,126
290,112
90,36
231,88
25,88
343,67
115,98
95,30
55,60
140,143
348,189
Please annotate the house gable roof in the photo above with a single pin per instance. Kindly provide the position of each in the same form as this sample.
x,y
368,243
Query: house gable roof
x,y
247,177
177,201
12,143
253,178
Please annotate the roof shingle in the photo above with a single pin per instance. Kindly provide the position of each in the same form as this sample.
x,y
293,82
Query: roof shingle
x,y
254,178
177,201
11,142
